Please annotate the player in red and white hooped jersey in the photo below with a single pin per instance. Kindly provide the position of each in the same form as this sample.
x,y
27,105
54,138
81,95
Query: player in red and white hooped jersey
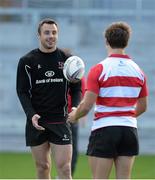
x,y
119,82
117,87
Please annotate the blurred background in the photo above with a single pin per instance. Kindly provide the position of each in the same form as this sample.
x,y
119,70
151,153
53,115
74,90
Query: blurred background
x,y
81,24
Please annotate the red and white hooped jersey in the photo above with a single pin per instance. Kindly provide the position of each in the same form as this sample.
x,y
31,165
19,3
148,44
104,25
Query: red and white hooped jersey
x,y
119,82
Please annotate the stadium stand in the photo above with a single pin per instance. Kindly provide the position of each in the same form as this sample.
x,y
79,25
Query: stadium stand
x,y
81,25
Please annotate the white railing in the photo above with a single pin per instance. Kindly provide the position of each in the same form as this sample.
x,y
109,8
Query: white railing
x,y
79,7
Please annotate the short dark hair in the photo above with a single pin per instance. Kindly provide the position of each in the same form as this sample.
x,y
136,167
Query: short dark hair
x,y
117,34
46,21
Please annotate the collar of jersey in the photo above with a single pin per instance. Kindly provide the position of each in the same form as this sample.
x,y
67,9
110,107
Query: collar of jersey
x,y
120,56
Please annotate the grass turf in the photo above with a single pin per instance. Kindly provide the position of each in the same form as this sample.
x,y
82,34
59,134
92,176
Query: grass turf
x,y
21,166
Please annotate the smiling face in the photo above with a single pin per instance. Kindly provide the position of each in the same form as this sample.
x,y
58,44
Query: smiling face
x,y
48,37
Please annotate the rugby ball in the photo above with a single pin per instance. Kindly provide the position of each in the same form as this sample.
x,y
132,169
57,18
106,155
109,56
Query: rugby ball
x,y
74,69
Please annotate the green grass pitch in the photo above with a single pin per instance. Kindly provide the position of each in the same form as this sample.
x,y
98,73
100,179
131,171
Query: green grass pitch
x,y
21,166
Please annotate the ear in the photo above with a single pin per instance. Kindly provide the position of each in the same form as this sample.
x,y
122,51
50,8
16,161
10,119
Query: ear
x,y
106,42
38,35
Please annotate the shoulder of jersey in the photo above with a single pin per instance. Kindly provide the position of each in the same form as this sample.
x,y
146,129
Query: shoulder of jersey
x,y
66,52
30,54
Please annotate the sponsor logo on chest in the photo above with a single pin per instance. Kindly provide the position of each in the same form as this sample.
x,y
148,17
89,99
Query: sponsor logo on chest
x,y
49,73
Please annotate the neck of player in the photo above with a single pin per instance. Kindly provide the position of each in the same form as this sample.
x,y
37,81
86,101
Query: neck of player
x,y
115,51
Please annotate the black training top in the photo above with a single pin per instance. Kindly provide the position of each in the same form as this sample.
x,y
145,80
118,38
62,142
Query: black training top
x,y
42,87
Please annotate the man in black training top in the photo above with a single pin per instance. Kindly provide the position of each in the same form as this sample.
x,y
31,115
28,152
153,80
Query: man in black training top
x,y
42,90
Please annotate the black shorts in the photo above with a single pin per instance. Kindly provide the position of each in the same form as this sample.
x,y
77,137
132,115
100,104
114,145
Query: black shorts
x,y
113,141
53,133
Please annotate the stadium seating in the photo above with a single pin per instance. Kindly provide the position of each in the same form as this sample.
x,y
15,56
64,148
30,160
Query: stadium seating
x,y
81,31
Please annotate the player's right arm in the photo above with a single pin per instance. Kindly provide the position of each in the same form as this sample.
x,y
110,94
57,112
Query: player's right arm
x,y
90,95
23,87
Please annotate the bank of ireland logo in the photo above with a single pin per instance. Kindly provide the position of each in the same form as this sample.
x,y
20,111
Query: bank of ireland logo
x,y
49,73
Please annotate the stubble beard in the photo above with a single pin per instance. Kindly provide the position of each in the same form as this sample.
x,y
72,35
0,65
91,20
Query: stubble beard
x,y
48,47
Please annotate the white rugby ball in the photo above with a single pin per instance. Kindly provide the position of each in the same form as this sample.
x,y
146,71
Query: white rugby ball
x,y
74,69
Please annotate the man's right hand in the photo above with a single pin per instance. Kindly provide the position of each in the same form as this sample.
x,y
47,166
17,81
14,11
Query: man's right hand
x,y
35,119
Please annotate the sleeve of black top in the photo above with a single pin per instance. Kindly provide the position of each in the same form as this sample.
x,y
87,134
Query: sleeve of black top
x,y
23,86
76,93
75,88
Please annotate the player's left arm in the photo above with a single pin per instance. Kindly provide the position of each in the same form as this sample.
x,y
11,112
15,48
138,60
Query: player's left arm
x,y
142,101
141,106
75,90
75,93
